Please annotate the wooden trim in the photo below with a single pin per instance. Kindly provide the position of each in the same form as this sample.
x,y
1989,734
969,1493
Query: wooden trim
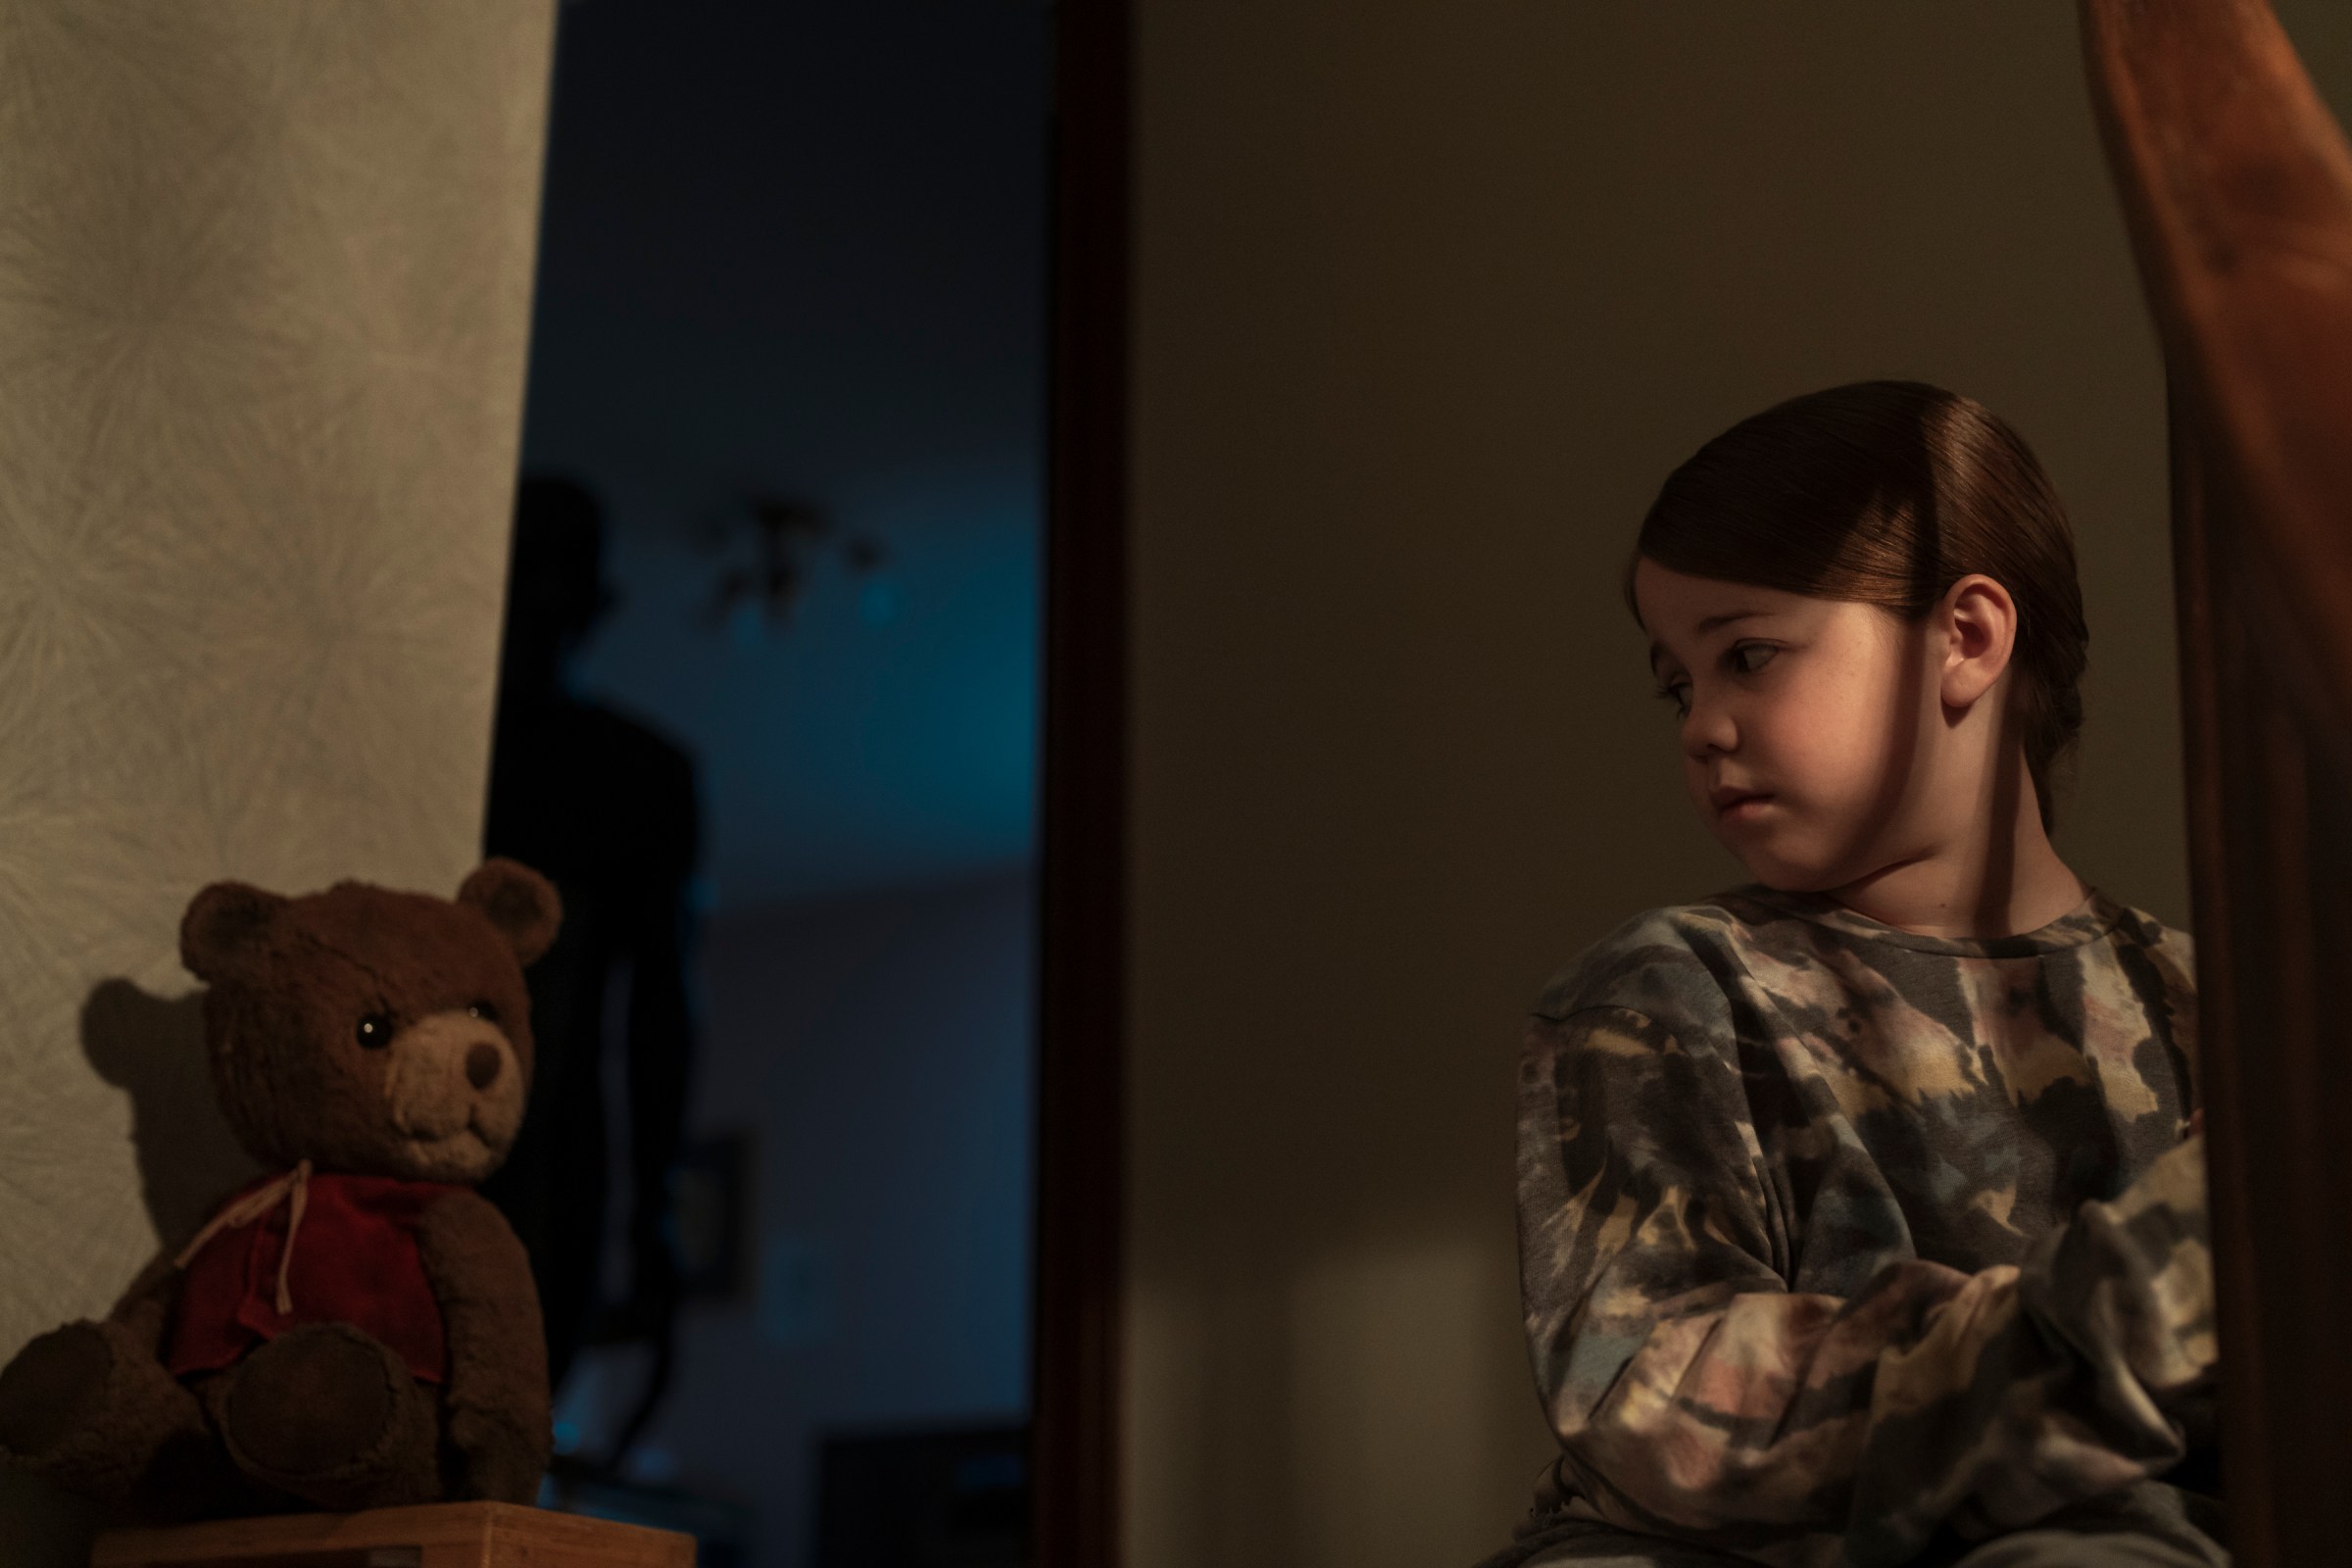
x,y
2207,633
1082,851
2237,185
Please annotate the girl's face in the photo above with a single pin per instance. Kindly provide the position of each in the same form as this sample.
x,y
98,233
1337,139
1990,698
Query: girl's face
x,y
1809,727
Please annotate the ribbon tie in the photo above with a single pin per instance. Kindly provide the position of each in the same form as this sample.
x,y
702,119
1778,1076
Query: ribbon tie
x,y
293,1188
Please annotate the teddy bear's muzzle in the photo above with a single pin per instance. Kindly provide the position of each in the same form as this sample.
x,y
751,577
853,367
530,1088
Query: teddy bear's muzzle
x,y
455,1095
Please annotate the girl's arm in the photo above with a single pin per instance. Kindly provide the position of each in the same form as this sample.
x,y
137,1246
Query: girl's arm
x,y
1694,1394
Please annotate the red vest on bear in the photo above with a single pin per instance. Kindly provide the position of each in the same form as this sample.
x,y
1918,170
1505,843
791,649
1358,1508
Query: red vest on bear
x,y
354,1261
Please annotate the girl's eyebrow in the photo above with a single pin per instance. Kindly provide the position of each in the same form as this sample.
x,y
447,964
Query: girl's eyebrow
x,y
1657,650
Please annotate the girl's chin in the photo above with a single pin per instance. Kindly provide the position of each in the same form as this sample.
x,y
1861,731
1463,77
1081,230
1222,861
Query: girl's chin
x,y
1783,881
1786,873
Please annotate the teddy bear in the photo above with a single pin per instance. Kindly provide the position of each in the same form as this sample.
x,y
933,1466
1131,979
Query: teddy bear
x,y
358,1328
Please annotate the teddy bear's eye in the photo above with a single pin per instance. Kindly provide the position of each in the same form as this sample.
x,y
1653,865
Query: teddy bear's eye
x,y
487,1012
376,1030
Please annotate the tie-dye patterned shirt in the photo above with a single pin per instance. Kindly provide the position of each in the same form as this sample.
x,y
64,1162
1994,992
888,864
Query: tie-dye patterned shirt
x,y
1833,1235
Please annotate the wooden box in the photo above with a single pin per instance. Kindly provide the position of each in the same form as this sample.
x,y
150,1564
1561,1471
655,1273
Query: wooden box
x,y
444,1534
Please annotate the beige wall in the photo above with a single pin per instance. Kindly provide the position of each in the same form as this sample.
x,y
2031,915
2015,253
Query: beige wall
x,y
1430,298
265,277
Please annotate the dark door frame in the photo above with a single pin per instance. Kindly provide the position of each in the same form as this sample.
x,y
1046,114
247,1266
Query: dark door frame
x,y
1082,830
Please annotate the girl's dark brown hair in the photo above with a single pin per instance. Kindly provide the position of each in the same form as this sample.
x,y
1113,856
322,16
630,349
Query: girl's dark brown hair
x,y
1888,493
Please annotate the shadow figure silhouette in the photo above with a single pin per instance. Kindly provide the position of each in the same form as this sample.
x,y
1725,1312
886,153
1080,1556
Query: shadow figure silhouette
x,y
153,1049
606,807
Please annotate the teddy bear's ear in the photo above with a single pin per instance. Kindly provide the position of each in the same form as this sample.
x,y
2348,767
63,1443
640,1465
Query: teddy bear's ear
x,y
520,901
221,925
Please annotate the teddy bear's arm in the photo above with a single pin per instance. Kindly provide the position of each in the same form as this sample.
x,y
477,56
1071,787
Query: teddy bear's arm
x,y
147,1303
497,1395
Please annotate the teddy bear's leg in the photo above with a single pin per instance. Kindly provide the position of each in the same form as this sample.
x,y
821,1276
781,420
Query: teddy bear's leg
x,y
91,1408
327,1414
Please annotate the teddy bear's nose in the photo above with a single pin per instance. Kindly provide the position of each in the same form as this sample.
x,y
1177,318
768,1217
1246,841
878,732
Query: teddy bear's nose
x,y
481,1064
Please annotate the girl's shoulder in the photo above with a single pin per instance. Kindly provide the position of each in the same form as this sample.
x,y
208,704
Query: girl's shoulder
x,y
2143,929
1669,963
2171,951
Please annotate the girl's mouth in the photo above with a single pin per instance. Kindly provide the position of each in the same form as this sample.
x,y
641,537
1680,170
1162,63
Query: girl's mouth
x,y
1740,806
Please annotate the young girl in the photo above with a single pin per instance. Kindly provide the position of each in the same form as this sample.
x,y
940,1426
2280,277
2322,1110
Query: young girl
x,y
1862,1220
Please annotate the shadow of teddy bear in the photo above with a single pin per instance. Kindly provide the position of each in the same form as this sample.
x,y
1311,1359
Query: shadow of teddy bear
x,y
153,1049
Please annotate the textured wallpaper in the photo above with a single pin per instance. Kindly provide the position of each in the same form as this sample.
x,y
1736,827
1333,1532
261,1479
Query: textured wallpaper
x,y
265,284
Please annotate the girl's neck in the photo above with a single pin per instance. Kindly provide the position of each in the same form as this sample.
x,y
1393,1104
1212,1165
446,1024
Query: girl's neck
x,y
2001,879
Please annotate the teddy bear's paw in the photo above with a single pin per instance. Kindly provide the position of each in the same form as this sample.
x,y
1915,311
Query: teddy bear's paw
x,y
54,1388
91,1408
499,1462
326,1412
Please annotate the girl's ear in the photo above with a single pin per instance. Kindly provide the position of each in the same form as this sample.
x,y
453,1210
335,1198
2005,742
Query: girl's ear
x,y
1980,625
223,924
520,901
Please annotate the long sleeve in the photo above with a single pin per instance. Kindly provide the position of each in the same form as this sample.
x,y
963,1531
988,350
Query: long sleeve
x,y
1696,1395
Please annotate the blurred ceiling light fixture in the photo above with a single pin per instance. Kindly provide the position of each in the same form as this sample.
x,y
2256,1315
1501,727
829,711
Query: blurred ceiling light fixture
x,y
773,544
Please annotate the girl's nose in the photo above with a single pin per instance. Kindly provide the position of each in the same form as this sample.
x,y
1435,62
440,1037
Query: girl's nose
x,y
1707,729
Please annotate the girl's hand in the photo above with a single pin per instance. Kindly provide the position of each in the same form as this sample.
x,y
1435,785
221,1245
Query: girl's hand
x,y
2196,1123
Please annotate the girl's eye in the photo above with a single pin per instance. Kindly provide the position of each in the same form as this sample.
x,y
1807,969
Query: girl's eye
x,y
1677,692
375,1031
1749,658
